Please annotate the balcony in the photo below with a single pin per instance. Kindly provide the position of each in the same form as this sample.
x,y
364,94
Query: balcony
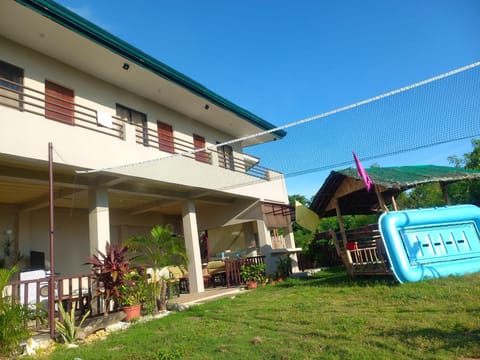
x,y
58,108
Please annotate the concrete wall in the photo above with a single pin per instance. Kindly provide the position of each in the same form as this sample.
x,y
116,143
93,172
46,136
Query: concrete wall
x,y
102,151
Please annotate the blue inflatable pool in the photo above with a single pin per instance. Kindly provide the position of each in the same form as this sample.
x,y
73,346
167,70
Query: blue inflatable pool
x,y
432,243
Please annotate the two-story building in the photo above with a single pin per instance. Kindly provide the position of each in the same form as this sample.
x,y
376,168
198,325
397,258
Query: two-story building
x,y
124,129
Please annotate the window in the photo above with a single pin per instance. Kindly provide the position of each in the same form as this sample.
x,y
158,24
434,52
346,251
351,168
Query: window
x,y
225,157
138,119
11,85
59,104
198,143
165,137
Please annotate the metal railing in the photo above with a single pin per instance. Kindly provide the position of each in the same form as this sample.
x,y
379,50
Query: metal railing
x,y
33,101
27,99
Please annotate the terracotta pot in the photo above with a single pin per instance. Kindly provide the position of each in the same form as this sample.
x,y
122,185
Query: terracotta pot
x,y
251,284
132,312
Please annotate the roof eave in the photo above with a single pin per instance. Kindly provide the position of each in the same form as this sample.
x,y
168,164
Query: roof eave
x,y
76,23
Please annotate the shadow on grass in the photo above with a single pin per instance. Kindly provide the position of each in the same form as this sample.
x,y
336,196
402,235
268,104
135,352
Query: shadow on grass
x,y
458,339
337,277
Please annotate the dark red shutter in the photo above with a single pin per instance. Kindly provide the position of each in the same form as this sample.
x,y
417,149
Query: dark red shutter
x,y
198,143
58,103
165,137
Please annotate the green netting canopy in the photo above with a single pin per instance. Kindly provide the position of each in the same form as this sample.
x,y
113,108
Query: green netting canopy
x,y
346,188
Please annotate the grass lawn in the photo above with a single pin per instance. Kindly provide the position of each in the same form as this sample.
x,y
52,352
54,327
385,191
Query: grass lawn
x,y
325,317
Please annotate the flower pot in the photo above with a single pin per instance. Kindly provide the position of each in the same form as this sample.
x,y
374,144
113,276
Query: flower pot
x,y
252,284
132,312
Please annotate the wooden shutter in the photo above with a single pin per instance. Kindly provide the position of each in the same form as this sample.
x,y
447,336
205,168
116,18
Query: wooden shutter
x,y
58,103
165,137
198,143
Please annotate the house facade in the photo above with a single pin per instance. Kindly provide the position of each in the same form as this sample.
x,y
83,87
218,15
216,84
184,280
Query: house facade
x,y
135,144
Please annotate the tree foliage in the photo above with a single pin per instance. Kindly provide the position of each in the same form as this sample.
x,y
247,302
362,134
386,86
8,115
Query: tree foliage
x,y
161,248
460,192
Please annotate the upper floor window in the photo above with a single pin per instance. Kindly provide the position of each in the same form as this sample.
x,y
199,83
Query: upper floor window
x,y
138,119
59,103
225,157
165,137
199,143
11,83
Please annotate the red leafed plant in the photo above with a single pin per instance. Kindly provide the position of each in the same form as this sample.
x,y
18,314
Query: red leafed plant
x,y
110,269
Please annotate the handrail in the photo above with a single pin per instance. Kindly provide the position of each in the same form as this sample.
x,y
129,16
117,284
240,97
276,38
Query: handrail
x,y
27,99
233,268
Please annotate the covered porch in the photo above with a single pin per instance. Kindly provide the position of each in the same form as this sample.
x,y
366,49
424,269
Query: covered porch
x,y
93,209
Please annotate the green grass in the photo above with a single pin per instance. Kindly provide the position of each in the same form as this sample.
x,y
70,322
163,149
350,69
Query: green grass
x,y
326,317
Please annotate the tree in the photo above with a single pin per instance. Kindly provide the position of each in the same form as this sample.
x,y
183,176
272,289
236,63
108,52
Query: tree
x,y
460,192
161,248
470,160
422,196
302,236
300,198
466,191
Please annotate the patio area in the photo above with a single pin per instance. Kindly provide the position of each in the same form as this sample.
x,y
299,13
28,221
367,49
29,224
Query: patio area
x,y
209,294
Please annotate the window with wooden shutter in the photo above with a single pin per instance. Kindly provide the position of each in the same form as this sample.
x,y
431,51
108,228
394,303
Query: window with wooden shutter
x,y
198,143
59,104
225,157
11,85
138,119
165,137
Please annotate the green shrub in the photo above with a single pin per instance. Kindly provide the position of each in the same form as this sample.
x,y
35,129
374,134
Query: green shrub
x,y
66,328
13,319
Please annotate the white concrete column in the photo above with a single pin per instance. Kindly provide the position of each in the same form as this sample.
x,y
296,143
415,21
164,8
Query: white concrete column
x,y
290,243
248,235
98,219
192,244
265,244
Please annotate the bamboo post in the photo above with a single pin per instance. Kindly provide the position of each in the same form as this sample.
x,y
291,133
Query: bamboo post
x,y
446,198
381,202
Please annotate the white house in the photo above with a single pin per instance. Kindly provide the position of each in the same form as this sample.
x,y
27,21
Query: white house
x,y
107,106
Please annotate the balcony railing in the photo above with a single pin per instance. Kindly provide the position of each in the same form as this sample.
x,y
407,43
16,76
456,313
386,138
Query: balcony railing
x,y
30,100
27,99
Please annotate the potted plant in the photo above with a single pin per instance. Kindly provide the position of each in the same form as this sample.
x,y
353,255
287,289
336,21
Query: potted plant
x,y
132,294
110,269
284,267
253,274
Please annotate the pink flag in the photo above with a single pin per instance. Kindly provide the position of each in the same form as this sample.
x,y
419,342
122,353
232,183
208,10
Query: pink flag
x,y
362,173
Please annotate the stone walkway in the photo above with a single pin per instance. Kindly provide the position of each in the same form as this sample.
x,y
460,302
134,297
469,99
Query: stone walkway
x,y
208,295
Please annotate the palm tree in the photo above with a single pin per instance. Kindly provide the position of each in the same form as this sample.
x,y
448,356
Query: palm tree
x,y
161,248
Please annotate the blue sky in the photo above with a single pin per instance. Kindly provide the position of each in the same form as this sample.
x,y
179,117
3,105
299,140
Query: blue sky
x,y
288,60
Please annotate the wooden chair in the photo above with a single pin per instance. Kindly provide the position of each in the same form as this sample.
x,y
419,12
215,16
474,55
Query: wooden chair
x,y
361,251
178,280
217,273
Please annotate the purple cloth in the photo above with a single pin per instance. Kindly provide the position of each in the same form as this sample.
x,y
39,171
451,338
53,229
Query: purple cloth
x,y
362,173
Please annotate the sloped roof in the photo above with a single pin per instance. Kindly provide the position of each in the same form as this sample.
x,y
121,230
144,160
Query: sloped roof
x,y
354,199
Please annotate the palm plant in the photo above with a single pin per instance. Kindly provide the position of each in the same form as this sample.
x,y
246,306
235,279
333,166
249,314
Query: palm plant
x,y
161,248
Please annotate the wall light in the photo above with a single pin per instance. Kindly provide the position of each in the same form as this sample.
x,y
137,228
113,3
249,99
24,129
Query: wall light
x,y
207,106
126,66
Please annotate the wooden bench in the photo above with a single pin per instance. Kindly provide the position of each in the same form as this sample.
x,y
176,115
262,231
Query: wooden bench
x,y
361,251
